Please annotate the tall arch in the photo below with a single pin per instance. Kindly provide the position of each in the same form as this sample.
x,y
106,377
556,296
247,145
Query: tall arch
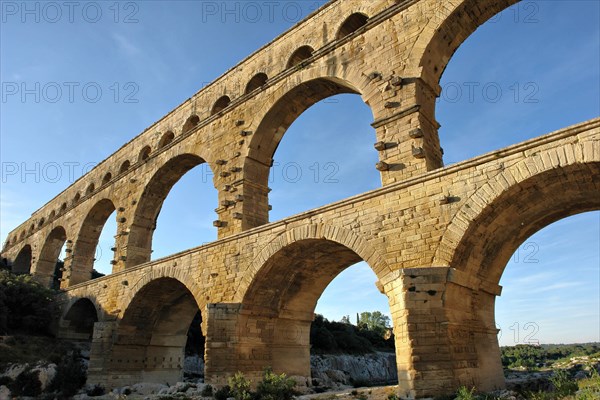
x,y
81,263
152,334
139,245
497,224
45,268
278,302
22,263
353,23
269,133
451,26
78,322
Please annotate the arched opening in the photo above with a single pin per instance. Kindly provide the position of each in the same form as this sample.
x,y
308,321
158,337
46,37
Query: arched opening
x,y
124,167
85,250
510,71
76,198
353,23
144,153
279,305
196,188
152,335
107,178
301,54
220,105
41,223
494,236
313,158
22,263
49,257
90,189
78,323
22,235
166,139
550,286
63,207
257,81
190,124
52,215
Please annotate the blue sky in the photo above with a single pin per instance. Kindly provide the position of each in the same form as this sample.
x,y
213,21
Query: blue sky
x,y
519,70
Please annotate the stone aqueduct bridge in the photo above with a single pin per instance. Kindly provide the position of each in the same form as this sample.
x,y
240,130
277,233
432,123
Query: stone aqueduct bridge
x,y
437,238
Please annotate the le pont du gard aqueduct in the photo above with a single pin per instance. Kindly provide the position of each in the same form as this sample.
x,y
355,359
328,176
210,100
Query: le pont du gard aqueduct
x,y
438,238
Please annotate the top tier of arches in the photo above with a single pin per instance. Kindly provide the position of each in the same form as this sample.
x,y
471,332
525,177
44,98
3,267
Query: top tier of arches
x,y
216,100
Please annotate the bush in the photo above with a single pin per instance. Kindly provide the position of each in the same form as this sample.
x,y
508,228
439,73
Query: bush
x,y
25,305
26,384
207,391
465,394
70,375
276,387
240,387
224,393
563,386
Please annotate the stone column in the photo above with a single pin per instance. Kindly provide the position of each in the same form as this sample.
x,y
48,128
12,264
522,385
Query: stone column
x,y
442,330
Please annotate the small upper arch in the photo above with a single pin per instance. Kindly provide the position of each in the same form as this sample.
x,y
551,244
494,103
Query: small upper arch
x,y
257,81
190,123
124,166
144,153
107,178
90,189
220,105
166,139
301,54
351,24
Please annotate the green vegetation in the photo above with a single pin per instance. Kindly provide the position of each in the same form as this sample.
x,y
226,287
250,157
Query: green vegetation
x,y
532,357
25,305
271,387
371,334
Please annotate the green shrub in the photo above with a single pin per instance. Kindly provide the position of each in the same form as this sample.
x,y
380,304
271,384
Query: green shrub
x,y
275,387
26,384
393,396
25,305
465,394
240,387
70,375
223,394
207,391
563,385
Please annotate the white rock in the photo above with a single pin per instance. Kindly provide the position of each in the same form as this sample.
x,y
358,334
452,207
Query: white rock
x,y
45,374
4,393
146,388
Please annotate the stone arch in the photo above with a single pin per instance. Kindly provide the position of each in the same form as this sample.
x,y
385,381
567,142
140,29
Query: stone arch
x,y
146,213
41,223
124,166
536,192
107,177
63,207
190,123
285,282
301,54
52,215
46,264
144,153
221,104
274,120
351,24
22,263
152,331
447,29
76,198
257,81
166,139
77,322
86,242
91,188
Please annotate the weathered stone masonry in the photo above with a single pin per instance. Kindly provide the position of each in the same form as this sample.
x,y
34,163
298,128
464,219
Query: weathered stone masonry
x,y
437,238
